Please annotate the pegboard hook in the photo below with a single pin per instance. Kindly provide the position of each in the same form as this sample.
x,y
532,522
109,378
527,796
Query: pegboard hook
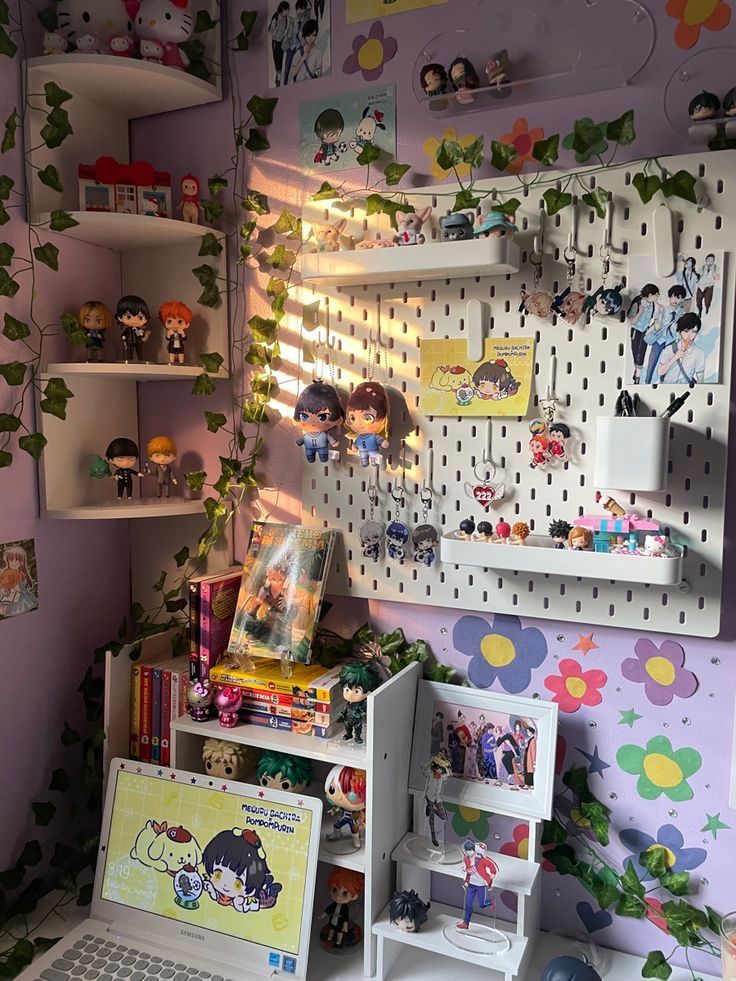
x,y
572,237
475,324
486,458
428,477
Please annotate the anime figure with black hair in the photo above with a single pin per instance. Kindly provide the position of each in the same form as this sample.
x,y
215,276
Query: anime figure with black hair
x,y
707,279
122,454
433,79
424,538
328,127
358,680
133,317
606,301
319,414
237,872
397,535
479,873
436,774
407,911
704,106
281,771
559,433
662,331
559,529
684,361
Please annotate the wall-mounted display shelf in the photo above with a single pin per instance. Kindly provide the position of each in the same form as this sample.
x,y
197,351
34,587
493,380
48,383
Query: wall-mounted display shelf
x,y
122,232
136,508
130,370
539,555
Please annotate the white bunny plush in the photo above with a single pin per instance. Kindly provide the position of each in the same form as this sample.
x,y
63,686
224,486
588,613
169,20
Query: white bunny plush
x,y
168,22
82,20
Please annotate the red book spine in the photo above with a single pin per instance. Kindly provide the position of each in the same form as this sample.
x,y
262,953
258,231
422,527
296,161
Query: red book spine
x,y
166,718
135,711
145,724
194,599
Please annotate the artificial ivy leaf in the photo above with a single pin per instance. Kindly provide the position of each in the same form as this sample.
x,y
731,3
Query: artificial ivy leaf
x,y
392,173
209,297
31,854
502,154
181,556
70,326
374,204
248,19
714,919
605,892
217,183
176,606
85,894
206,275
682,185
553,833
48,254
260,355
204,22
215,420
261,109
647,186
57,128
7,45
631,882
586,135
42,944
288,224
213,509
33,444
368,155
621,130
465,199
654,860
21,953
281,257
13,372
158,586
210,245
241,440
6,253
448,154
275,286
5,460
12,878
43,812
195,479
9,423
246,229
213,210
4,12
4,216
576,780
195,50
656,966
56,388
15,330
198,68
8,286
48,19
326,190
547,151
556,200
61,220
677,883
255,412
598,200
277,306
256,141
264,385
631,906
59,781
222,485
203,385
6,186
11,125
212,362
473,154
55,95
509,207
179,645
255,201
246,251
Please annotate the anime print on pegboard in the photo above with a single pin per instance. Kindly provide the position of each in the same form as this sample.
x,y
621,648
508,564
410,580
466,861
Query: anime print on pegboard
x,y
299,41
334,131
18,578
674,323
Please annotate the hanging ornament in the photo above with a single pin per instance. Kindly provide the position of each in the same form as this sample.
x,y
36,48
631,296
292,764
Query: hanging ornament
x,y
538,303
425,537
372,532
605,302
570,303
397,533
486,490
549,437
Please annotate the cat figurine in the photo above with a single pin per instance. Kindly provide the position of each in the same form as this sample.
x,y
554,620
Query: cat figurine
x,y
81,21
169,23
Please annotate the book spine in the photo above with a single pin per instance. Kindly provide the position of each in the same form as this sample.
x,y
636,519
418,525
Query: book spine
x,y
279,686
288,712
175,694
156,715
194,594
145,716
183,685
135,711
166,677
268,721
205,630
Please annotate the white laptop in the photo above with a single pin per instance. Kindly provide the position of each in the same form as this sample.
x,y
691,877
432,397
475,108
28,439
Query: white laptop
x,y
198,879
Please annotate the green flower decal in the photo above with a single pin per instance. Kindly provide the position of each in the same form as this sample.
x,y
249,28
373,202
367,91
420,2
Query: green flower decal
x,y
584,153
660,768
468,821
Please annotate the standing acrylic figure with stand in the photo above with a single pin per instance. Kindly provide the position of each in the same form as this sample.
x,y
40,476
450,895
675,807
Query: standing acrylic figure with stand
x,y
479,872
432,846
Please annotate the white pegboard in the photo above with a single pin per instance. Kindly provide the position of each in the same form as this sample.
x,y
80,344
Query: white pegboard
x,y
590,373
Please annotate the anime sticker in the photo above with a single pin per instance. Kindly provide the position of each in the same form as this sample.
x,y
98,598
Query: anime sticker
x,y
334,131
674,324
299,36
499,385
18,578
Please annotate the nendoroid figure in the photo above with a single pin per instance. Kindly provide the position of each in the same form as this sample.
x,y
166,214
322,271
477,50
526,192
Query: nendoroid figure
x,y
345,792
433,79
371,540
133,317
281,771
328,127
407,911
161,454
345,887
238,873
424,538
479,873
367,422
176,318
358,680
94,319
319,414
122,454
436,774
559,530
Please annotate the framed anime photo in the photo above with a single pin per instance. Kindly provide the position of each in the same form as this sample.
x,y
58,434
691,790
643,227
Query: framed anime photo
x,y
501,748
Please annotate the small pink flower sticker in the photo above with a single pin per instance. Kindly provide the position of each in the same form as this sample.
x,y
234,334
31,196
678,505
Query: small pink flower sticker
x,y
370,53
519,847
661,670
573,687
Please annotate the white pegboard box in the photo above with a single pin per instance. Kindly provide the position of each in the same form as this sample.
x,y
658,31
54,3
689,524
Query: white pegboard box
x,y
591,373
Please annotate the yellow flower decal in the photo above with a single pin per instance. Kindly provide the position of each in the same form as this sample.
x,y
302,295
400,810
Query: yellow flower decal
x,y
431,145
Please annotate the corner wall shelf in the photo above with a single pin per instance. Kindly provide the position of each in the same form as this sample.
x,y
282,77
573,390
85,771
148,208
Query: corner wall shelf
x,y
132,371
123,233
136,508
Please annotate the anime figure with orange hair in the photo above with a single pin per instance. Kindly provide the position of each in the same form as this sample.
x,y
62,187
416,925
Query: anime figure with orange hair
x,y
15,583
345,887
176,318
345,792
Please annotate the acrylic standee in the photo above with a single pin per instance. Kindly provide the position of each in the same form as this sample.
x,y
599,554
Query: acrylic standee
x,y
478,939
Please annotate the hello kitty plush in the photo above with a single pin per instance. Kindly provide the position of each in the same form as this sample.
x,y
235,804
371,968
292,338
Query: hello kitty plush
x,y
170,23
655,546
152,50
88,43
81,19
122,46
54,43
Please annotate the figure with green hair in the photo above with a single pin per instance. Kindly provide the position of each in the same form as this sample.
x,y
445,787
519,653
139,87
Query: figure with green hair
x,y
281,771
358,680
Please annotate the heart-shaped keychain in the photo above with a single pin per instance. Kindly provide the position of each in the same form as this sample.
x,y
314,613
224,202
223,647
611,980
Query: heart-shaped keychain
x,y
488,490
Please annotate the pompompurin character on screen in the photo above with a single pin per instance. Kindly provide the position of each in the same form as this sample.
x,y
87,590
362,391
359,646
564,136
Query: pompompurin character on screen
x,y
425,539
328,127
366,129
319,415
238,873
367,422
176,318
95,320
166,849
493,380
450,378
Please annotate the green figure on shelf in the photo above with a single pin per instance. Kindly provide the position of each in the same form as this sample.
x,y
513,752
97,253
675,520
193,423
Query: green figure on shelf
x,y
358,680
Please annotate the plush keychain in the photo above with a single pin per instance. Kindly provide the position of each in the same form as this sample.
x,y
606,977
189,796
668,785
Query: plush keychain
x,y
367,422
319,415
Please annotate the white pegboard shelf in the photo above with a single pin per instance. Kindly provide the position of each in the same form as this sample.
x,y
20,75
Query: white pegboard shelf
x,y
121,232
538,555
433,260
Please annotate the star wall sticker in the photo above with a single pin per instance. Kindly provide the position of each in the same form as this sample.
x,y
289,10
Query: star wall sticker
x,y
172,776
224,787
193,780
122,766
300,803
585,644
261,793
628,717
160,773
714,824
597,765
139,769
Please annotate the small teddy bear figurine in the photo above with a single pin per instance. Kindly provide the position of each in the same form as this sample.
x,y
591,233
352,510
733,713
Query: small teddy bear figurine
x,y
410,224
328,236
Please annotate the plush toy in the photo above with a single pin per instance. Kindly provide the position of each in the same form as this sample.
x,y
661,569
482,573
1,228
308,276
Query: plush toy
x,y
87,26
569,969
409,224
328,236
54,43
223,759
169,23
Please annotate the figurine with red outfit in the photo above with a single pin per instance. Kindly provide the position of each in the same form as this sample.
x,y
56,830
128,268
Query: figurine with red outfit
x,y
479,873
190,206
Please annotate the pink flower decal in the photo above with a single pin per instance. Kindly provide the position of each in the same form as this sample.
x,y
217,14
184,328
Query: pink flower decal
x,y
370,53
519,847
523,139
573,687
661,670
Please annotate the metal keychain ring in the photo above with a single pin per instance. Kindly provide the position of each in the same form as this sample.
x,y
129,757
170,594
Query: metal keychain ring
x,y
490,469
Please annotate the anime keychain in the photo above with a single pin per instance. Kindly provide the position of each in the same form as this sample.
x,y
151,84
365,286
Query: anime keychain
x,y
605,302
548,443
397,533
319,415
425,537
486,490
371,531
570,303
539,302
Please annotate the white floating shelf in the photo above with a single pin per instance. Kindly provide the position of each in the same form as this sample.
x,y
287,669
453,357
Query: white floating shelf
x,y
538,555
435,260
127,86
132,371
123,233
515,874
130,510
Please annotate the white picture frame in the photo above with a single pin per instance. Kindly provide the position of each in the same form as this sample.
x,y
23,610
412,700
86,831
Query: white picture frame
x,y
499,711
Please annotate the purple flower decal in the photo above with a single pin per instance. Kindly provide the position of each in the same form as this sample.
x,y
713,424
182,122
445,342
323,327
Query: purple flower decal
x,y
661,670
370,53
677,858
504,651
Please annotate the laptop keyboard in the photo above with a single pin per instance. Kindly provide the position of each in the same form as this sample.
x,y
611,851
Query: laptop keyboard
x,y
100,959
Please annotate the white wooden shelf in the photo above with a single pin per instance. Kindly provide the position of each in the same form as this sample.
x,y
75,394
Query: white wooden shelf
x,y
129,87
120,232
354,859
538,555
515,874
132,370
135,508
434,260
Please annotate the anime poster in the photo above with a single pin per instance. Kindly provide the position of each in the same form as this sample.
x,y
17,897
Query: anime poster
x,y
357,10
18,578
284,577
486,747
674,324
499,385
333,131
204,857
299,41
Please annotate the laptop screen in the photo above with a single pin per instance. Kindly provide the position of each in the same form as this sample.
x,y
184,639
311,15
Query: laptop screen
x,y
224,861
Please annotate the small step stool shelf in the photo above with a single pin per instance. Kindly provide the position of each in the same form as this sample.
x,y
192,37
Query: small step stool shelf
x,y
121,232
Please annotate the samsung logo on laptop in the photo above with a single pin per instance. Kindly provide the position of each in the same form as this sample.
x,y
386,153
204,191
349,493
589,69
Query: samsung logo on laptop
x,y
192,934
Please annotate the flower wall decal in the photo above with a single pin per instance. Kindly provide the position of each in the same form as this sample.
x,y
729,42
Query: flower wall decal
x,y
677,858
431,145
503,651
469,821
370,53
692,15
660,670
573,687
523,139
518,847
660,768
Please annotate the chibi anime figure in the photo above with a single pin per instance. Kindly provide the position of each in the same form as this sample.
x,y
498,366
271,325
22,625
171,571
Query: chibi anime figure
x,y
451,378
463,78
479,872
539,447
328,127
496,224
467,528
319,414
538,303
436,774
176,318
559,531
569,305
433,79
397,535
237,872
122,454
340,931
580,539
133,318
166,849
464,395
569,969
407,911
228,702
345,792
371,540
327,236
200,699
281,771
161,454
365,131
729,102
358,680
190,206
520,532
493,380
223,759
605,302
559,433
456,227
503,532
497,68
484,531
94,319
704,106
367,422
409,224
425,539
